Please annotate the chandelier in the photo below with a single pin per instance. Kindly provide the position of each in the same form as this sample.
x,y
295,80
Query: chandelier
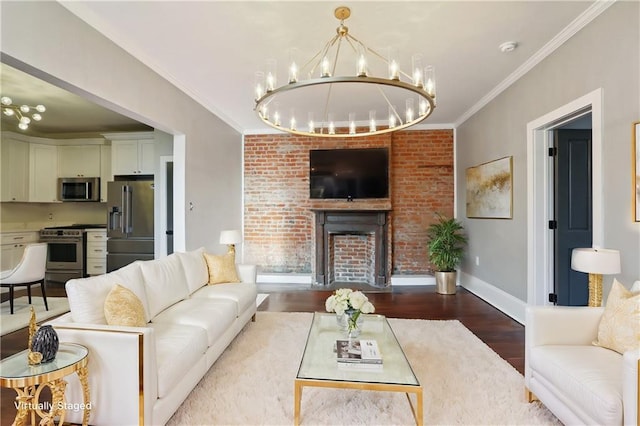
x,y
21,112
359,93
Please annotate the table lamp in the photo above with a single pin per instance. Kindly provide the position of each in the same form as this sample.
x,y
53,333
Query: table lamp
x,y
231,237
595,262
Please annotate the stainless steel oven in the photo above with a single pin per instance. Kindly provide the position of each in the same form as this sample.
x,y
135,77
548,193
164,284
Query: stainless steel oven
x,y
65,254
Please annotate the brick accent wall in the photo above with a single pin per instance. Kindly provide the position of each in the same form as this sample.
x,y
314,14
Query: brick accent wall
x,y
278,217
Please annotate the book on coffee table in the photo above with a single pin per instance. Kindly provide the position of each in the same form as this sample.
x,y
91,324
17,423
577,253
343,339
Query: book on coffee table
x,y
364,351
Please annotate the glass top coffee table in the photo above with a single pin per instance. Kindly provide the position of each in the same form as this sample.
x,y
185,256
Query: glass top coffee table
x,y
319,366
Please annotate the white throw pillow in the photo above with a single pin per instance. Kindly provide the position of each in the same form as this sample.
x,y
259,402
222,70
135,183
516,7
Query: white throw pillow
x,y
164,282
195,269
86,296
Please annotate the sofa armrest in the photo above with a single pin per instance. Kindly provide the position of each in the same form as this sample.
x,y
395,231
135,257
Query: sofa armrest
x,y
121,370
247,273
630,384
561,325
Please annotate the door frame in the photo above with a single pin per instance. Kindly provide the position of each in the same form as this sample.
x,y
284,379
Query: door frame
x,y
540,190
161,186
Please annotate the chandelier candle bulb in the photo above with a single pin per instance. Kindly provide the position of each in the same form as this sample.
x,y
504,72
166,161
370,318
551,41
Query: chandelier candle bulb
x,y
332,125
271,70
392,61
258,84
409,110
326,67
293,67
311,124
416,61
372,121
352,124
430,80
392,117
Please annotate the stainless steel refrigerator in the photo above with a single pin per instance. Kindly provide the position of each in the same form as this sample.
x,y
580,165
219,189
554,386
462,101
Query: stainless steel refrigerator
x,y
129,222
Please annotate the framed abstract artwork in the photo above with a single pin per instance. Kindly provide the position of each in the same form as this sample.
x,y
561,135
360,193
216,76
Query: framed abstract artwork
x,y
636,170
490,189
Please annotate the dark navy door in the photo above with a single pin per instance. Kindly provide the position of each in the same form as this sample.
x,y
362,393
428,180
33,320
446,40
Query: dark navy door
x,y
573,212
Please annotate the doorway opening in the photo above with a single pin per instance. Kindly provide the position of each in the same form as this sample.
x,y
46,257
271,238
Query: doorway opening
x,y
541,256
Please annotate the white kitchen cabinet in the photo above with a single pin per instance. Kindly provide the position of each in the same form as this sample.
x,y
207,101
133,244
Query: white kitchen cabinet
x,y
79,161
106,174
15,170
43,173
133,157
96,254
12,246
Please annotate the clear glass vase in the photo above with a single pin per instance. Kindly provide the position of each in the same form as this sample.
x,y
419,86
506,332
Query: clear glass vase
x,y
350,322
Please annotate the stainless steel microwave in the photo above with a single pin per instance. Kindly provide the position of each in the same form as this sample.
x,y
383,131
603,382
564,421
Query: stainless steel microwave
x,y
79,189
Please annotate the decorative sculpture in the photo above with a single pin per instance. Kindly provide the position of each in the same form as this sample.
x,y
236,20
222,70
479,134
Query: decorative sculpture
x,y
43,342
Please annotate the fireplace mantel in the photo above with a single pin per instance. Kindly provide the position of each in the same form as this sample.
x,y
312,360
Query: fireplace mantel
x,y
351,222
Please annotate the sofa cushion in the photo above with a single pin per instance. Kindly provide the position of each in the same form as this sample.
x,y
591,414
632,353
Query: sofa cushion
x,y
222,269
242,294
589,377
86,296
195,268
619,328
165,283
122,307
215,316
178,348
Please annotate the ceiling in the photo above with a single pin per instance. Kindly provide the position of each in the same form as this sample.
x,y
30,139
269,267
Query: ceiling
x,y
67,115
211,49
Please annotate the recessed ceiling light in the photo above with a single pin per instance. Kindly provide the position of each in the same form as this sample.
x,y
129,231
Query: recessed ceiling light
x,y
508,46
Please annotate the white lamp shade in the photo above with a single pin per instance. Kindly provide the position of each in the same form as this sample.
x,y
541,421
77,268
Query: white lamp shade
x,y
595,260
232,236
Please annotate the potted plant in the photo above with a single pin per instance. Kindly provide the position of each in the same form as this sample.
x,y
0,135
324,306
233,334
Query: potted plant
x,y
446,244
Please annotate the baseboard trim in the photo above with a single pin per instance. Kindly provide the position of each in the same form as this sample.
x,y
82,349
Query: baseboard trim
x,y
276,278
412,280
499,299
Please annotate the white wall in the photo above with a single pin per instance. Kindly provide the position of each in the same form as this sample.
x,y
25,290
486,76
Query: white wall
x,y
605,54
46,40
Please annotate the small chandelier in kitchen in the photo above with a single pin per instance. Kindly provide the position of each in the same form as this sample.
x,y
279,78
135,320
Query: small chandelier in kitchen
x,y
23,113
363,93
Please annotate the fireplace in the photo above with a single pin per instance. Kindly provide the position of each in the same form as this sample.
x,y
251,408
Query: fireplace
x,y
351,246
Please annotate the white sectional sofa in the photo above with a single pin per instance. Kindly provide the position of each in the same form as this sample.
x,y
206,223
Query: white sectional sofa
x,y
141,375
578,382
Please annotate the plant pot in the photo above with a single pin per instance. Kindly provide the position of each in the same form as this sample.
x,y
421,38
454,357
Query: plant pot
x,y
446,282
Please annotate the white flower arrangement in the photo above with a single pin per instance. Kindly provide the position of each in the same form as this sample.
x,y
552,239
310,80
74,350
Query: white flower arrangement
x,y
346,300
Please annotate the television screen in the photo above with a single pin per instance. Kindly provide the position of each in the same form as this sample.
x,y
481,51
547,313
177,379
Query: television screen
x,y
349,173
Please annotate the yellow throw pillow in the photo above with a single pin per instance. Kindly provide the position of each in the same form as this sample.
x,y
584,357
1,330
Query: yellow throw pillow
x,y
619,328
122,307
222,269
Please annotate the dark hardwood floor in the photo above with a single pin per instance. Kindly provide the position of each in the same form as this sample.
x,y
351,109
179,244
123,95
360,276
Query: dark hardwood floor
x,y
501,333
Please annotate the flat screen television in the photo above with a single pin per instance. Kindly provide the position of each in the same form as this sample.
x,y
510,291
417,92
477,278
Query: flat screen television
x,y
349,173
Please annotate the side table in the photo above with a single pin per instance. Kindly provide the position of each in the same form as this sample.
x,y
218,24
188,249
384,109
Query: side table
x,y
29,380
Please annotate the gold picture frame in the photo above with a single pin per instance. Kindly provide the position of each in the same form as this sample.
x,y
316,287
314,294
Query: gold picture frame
x,y
635,135
489,189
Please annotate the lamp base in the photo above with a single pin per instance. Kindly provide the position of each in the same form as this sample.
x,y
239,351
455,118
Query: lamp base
x,y
595,290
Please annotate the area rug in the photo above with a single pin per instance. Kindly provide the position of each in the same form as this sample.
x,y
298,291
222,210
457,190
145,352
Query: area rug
x,y
464,381
22,313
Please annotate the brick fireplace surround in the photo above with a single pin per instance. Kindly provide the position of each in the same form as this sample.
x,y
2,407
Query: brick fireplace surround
x,y
279,218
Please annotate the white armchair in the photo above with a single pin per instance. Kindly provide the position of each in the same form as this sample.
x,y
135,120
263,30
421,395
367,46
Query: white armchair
x,y
29,271
578,382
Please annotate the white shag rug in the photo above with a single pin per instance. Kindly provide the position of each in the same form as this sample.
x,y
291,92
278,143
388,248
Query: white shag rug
x,y
463,380
22,313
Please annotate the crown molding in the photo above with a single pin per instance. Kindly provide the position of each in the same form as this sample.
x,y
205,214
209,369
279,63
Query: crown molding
x,y
591,13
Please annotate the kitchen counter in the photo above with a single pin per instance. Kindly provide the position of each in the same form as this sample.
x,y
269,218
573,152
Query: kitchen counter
x,y
29,226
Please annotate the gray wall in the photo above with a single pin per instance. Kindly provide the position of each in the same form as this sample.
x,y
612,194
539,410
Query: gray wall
x,y
605,54
45,39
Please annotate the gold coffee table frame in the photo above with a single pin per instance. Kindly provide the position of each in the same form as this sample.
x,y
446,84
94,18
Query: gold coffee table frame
x,y
29,380
319,367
